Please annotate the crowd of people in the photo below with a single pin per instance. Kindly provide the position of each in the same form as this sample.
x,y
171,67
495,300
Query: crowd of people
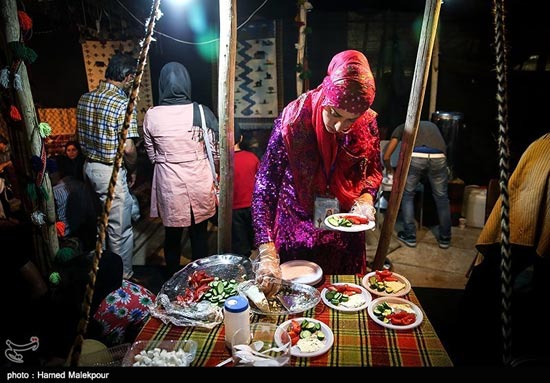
x,y
323,155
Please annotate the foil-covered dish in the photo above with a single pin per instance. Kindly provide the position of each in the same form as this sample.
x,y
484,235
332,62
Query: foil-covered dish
x,y
194,296
291,298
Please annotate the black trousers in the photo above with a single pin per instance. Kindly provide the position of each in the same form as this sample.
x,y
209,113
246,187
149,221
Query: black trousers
x,y
242,233
198,235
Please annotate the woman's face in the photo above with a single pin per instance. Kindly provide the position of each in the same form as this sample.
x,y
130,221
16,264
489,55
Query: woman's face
x,y
338,120
71,151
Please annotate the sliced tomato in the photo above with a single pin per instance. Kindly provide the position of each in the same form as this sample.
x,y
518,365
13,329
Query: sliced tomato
x,y
353,289
409,319
294,338
390,279
295,327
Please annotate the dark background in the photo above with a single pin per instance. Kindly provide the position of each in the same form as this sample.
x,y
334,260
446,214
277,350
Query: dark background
x,y
467,80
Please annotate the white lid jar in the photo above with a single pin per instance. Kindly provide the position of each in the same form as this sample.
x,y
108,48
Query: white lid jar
x,y
236,313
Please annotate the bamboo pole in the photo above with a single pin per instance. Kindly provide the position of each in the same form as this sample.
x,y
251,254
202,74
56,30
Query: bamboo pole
x,y
226,113
418,89
34,141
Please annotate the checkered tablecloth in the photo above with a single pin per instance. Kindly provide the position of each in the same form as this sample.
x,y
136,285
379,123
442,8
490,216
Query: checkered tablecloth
x,y
358,340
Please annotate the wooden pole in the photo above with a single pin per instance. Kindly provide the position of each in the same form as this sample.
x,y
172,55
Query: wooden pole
x,y
302,15
74,356
434,77
30,119
226,113
422,68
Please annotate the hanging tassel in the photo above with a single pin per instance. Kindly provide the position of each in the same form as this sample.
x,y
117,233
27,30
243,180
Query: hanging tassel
x,y
25,22
20,51
44,129
17,83
55,278
60,229
38,218
5,78
14,113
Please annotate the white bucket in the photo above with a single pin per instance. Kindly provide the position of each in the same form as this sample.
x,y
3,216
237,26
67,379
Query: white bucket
x,y
473,208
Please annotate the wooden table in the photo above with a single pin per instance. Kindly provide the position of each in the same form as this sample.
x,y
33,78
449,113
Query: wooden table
x,y
358,340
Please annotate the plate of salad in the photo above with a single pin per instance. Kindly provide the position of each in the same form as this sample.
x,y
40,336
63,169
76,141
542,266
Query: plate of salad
x,y
349,222
310,337
395,313
346,297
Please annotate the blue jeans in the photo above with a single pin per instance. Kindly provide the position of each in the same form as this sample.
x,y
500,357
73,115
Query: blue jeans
x,y
436,170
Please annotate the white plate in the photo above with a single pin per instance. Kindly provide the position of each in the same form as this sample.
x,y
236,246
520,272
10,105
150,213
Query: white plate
x,y
400,293
353,228
295,350
365,294
417,311
299,271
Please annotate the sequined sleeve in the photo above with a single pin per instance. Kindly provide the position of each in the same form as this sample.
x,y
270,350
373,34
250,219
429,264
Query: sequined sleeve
x,y
268,183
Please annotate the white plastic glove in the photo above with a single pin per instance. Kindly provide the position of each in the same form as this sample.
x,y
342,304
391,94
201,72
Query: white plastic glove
x,y
267,265
364,206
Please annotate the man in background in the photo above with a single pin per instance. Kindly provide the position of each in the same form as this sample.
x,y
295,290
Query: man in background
x,y
100,118
428,159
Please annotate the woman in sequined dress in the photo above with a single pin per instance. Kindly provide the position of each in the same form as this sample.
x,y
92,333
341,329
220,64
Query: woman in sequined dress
x,y
325,144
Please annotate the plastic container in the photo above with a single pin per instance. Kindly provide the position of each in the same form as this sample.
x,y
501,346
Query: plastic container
x,y
473,209
236,315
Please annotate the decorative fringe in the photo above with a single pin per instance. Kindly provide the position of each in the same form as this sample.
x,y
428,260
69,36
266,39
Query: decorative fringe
x,y
38,218
14,113
65,254
20,51
55,278
60,229
44,129
25,22
5,78
17,83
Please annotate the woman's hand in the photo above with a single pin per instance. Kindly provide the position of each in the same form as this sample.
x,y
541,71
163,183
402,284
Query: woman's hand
x,y
267,265
364,206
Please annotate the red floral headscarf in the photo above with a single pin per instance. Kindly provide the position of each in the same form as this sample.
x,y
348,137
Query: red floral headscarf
x,y
349,85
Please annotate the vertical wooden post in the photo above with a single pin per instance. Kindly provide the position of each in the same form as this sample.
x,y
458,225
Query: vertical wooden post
x,y
28,113
226,113
302,15
434,77
418,89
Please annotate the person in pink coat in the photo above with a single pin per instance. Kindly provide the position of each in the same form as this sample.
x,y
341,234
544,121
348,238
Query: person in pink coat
x,y
182,193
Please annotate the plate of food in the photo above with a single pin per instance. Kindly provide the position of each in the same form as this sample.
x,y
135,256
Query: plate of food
x,y
300,271
386,283
291,298
194,296
395,313
347,297
349,222
309,337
